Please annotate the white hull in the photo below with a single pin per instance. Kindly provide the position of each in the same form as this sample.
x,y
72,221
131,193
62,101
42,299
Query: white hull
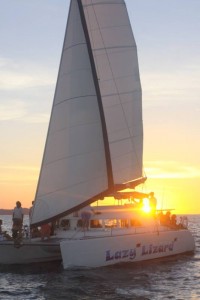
x,y
92,249
105,251
29,251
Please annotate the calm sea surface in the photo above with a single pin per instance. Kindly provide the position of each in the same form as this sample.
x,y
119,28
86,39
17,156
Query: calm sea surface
x,y
172,278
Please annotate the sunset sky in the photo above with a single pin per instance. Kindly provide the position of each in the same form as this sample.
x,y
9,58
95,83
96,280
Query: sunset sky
x,y
167,34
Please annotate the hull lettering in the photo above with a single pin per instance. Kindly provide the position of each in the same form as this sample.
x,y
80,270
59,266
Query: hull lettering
x,y
153,249
120,254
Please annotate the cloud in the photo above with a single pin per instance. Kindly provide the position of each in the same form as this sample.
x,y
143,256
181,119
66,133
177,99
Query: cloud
x,y
18,110
37,118
19,168
170,170
20,174
3,62
26,91
162,88
12,110
23,74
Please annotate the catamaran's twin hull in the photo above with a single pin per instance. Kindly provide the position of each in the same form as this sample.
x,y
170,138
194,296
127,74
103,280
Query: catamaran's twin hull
x,y
28,252
98,252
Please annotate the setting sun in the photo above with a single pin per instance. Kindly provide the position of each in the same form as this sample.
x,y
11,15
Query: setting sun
x,y
146,207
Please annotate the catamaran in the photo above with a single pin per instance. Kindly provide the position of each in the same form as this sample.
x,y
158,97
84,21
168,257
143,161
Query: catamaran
x,y
94,149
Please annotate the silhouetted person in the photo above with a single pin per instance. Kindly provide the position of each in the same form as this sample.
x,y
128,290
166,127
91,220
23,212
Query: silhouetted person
x,y
18,216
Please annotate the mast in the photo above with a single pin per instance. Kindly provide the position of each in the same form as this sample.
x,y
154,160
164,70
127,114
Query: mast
x,y
96,82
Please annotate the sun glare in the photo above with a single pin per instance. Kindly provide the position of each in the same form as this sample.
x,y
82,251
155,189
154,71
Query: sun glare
x,y
146,207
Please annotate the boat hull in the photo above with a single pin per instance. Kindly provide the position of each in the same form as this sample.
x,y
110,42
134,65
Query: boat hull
x,y
29,252
98,252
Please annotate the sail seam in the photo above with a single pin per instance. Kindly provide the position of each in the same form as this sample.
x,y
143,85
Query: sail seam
x,y
120,140
125,93
77,125
69,156
69,186
98,49
104,3
78,97
89,152
110,27
104,96
75,45
116,47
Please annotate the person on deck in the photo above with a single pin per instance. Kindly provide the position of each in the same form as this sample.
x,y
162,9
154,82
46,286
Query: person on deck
x,y
18,216
152,201
85,216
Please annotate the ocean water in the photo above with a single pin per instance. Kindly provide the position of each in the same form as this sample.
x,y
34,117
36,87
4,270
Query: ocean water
x,y
170,278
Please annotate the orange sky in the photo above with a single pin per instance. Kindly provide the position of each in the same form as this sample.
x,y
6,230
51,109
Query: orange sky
x,y
169,60
171,193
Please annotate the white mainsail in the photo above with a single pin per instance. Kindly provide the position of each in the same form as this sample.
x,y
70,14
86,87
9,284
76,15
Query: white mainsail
x,y
115,55
95,136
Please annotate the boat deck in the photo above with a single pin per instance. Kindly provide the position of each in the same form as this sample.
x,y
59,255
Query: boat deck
x,y
110,232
